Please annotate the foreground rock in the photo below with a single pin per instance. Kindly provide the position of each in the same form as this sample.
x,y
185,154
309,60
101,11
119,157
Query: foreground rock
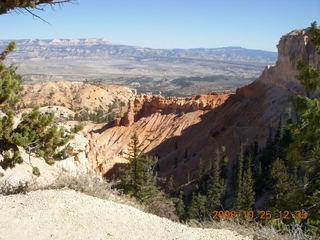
x,y
66,214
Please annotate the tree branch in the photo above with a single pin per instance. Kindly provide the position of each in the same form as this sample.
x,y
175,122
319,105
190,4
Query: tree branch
x,y
36,16
11,5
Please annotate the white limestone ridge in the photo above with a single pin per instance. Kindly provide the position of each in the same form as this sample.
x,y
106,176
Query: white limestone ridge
x,y
66,42
292,47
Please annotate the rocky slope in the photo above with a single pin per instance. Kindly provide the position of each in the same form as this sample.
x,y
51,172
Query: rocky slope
x,y
66,214
154,118
76,96
181,140
148,104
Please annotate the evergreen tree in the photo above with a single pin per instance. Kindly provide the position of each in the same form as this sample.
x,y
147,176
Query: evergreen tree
x,y
10,82
239,176
216,187
304,149
305,146
171,185
198,209
284,187
245,194
138,179
180,207
35,132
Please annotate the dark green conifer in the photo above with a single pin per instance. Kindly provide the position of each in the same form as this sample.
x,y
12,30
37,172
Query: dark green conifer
x,y
245,195
239,177
180,206
304,150
284,187
216,186
198,209
171,185
138,179
35,131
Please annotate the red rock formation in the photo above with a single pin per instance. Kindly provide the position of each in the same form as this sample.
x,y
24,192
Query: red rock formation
x,y
249,115
148,104
180,140
154,118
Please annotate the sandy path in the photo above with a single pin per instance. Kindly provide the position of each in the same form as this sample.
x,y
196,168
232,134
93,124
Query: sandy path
x,y
66,214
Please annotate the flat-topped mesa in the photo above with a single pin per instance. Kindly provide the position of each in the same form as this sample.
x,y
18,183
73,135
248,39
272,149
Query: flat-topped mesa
x,y
292,47
146,104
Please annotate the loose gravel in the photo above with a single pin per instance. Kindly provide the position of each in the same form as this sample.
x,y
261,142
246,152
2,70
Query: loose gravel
x,y
67,214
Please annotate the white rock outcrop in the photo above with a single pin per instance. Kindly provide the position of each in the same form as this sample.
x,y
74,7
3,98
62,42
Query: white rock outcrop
x,y
75,164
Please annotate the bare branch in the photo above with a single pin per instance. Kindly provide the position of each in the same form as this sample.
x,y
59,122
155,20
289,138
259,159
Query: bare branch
x,y
36,16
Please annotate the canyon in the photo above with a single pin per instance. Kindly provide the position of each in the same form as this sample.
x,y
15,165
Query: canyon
x,y
182,130
181,135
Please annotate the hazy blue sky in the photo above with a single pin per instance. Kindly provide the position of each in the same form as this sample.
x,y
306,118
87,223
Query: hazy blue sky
x,y
256,24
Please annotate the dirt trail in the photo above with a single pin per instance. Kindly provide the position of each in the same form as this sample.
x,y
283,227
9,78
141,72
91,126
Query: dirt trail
x,y
66,214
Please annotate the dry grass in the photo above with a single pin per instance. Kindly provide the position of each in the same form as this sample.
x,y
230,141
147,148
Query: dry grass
x,y
7,188
162,208
97,186
92,185
255,230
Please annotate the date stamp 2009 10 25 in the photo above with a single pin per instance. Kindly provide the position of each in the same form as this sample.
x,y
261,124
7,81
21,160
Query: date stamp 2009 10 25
x,y
263,214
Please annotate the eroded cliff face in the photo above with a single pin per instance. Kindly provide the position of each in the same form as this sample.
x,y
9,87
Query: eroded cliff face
x,y
147,104
180,136
154,118
291,47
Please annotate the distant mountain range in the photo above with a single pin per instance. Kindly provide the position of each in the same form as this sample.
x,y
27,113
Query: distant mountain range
x,y
100,60
102,48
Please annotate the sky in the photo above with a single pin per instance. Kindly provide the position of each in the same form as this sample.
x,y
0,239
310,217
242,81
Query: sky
x,y
254,24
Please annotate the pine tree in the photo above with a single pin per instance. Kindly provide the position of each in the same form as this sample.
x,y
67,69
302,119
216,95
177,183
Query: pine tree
x,y
10,82
239,177
284,187
245,195
180,206
138,179
35,132
304,149
198,209
305,146
216,188
171,185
